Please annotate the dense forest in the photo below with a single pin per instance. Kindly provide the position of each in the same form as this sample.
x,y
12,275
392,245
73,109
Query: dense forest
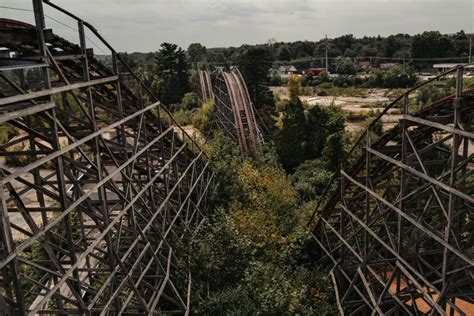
x,y
421,50
171,64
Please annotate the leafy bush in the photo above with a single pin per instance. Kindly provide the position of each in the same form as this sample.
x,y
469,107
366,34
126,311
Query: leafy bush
x,y
190,101
345,66
310,179
7,131
395,77
202,120
183,117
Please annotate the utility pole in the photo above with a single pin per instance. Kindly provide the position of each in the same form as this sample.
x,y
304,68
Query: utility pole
x,y
470,48
327,70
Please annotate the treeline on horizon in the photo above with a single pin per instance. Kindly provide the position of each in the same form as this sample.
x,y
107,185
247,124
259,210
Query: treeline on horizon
x,y
421,50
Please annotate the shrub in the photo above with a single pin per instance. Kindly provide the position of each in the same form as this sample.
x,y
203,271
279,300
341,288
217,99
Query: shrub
x,y
310,179
202,119
345,66
183,117
396,77
190,101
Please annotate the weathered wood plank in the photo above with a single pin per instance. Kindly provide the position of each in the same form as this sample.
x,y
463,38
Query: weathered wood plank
x,y
47,92
28,111
15,36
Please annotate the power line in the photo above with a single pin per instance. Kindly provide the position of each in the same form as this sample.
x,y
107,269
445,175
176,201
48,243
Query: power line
x,y
74,29
16,9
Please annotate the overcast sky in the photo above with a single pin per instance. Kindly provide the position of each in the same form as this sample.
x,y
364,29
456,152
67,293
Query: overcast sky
x,y
141,25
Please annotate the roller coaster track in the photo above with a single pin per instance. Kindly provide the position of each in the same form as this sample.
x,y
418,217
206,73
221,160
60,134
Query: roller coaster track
x,y
94,219
235,114
395,225
205,86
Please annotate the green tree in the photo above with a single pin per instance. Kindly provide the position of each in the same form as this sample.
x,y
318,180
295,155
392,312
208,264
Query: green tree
x,y
302,136
190,101
202,120
254,65
396,77
196,52
345,66
290,138
394,44
310,179
294,87
320,123
334,150
461,43
284,53
345,42
172,71
432,45
129,60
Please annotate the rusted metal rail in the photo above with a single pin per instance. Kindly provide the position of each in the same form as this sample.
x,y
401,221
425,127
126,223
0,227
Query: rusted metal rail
x,y
395,226
104,193
235,114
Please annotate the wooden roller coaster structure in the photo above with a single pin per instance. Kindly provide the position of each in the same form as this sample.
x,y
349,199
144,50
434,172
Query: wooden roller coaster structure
x,y
205,86
95,216
235,113
395,226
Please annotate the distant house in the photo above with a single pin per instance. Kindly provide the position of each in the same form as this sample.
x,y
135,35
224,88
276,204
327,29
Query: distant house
x,y
285,71
388,66
313,72
364,66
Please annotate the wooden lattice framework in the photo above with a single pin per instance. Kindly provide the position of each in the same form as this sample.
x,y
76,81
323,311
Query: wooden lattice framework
x,y
235,113
396,235
95,217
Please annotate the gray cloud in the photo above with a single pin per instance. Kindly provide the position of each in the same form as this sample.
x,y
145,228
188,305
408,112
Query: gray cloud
x,y
141,25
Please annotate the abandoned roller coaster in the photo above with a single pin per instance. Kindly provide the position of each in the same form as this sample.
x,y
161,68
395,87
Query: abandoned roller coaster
x,y
106,192
235,113
395,225
205,86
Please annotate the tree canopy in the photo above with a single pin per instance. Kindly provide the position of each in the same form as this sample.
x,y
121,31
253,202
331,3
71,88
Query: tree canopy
x,y
172,72
196,52
254,64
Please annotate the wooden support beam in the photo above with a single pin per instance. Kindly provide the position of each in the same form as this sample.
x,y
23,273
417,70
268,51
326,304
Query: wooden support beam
x,y
16,36
446,128
27,111
49,92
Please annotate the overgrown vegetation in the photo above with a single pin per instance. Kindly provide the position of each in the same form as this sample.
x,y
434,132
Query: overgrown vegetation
x,y
253,256
302,133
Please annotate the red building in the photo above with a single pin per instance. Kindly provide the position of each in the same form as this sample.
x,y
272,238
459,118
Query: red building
x,y
314,72
364,66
